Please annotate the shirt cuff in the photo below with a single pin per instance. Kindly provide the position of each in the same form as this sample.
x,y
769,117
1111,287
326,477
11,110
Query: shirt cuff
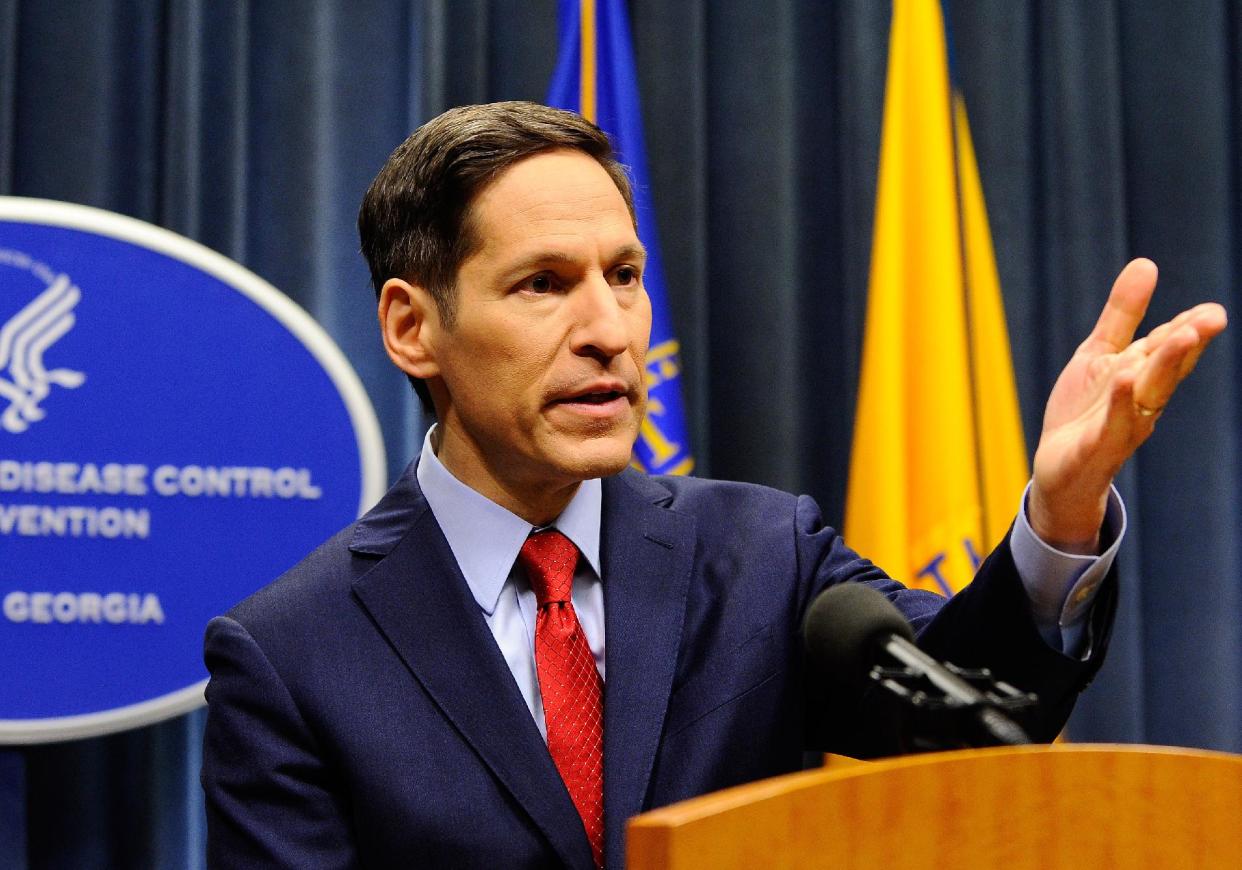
x,y
1061,587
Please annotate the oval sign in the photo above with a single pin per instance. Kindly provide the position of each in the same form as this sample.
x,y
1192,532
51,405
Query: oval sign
x,y
174,434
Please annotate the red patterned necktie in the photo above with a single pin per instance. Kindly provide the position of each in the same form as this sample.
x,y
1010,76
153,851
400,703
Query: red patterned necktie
x,y
568,681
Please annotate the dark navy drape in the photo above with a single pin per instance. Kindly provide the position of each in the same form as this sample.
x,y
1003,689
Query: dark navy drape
x,y
1104,130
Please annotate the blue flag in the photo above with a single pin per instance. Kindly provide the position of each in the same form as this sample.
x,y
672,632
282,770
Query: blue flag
x,y
596,77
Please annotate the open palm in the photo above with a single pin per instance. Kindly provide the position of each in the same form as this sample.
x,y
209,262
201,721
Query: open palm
x,y
1106,402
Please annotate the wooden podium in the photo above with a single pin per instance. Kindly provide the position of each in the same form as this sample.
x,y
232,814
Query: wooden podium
x,y
1082,807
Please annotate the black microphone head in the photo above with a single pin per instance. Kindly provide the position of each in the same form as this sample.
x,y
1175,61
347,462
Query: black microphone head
x,y
843,627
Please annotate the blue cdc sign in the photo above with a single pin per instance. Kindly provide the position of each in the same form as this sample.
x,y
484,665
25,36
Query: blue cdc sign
x,y
174,433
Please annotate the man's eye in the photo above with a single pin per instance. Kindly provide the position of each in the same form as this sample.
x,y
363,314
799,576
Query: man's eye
x,y
538,284
625,276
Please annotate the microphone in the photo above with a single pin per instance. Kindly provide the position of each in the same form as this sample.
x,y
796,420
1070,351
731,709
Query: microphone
x,y
852,632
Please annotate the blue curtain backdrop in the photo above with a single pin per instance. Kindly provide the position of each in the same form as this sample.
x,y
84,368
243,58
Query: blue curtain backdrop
x,y
1104,130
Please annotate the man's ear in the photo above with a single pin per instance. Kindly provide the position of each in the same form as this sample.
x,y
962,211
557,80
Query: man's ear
x,y
409,323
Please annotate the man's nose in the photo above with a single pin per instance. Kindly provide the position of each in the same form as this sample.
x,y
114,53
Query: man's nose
x,y
599,320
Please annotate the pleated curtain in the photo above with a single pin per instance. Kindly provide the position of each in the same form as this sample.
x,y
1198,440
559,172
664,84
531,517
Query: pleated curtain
x,y
1104,130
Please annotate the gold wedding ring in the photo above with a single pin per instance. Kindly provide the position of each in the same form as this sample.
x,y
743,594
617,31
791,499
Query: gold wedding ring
x,y
1144,411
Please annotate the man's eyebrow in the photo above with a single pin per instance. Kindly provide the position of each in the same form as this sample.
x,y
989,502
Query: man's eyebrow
x,y
630,252
550,257
536,260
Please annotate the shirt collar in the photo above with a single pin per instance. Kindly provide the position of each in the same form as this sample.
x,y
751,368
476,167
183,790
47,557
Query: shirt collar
x,y
485,538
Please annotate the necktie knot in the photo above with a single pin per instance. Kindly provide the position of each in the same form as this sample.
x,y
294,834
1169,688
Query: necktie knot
x,y
550,559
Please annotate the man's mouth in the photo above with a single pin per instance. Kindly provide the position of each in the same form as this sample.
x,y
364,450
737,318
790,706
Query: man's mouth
x,y
599,401
601,398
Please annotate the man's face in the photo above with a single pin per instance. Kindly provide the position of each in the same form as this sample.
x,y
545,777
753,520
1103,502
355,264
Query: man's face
x,y
541,377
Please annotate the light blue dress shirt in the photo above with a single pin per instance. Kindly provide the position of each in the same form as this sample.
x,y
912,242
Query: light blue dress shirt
x,y
485,539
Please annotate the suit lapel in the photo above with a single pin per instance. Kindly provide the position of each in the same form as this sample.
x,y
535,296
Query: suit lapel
x,y
420,602
646,556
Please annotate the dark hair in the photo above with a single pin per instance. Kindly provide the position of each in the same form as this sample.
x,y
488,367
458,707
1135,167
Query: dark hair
x,y
415,223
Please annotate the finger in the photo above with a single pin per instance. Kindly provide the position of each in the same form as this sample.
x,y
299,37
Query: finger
x,y
1208,319
1165,367
1161,332
1127,303
1209,325
1121,415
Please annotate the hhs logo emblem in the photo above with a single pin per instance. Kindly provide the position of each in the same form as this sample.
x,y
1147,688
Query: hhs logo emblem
x,y
24,380
174,432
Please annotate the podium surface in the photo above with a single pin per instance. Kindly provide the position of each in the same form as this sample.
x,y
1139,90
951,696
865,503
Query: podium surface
x,y
1071,806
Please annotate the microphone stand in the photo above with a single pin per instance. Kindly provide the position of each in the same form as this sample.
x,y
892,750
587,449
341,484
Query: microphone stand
x,y
947,707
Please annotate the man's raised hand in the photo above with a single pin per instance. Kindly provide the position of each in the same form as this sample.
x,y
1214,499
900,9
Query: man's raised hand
x,y
1106,403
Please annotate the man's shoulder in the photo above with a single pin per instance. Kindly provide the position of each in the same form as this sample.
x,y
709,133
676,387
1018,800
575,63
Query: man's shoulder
x,y
320,581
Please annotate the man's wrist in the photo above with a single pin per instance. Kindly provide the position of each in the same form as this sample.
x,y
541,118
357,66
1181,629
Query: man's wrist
x,y
1071,525
1061,585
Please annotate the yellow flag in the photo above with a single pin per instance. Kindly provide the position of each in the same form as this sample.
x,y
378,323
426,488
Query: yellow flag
x,y
938,461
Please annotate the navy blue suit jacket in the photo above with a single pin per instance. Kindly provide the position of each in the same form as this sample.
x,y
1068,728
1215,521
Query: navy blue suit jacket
x,y
361,713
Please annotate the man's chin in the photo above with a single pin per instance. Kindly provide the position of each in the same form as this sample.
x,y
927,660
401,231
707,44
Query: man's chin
x,y
600,457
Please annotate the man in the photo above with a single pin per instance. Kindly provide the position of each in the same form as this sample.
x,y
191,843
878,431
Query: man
x,y
448,682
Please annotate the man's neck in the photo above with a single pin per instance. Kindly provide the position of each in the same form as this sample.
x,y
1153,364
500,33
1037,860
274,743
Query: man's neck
x,y
537,502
